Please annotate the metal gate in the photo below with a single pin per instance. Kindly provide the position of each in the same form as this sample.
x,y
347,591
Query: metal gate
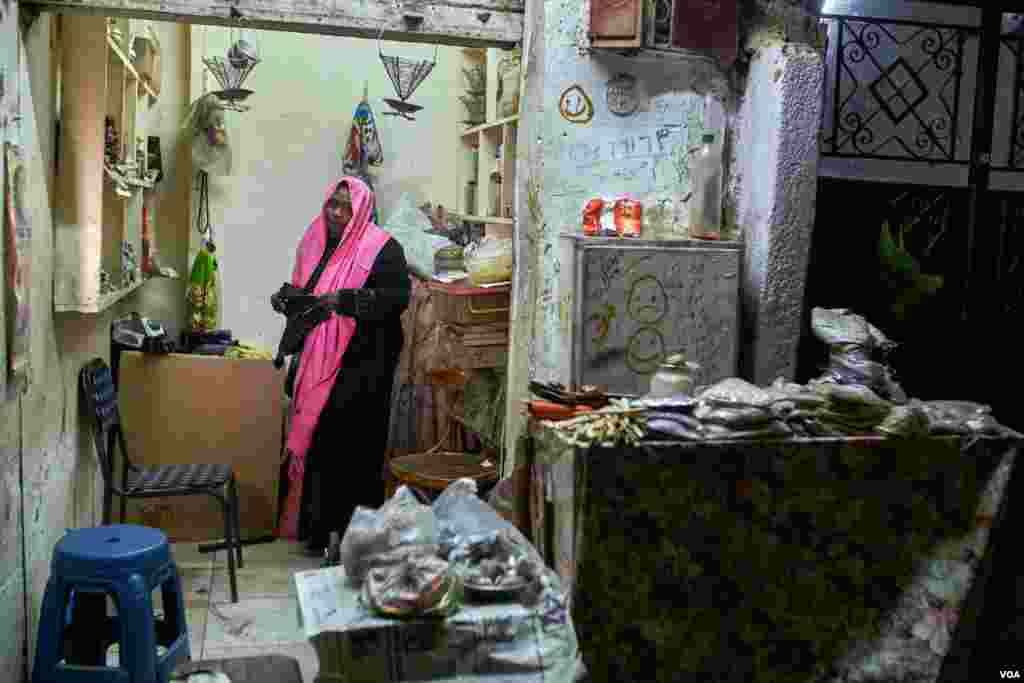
x,y
919,221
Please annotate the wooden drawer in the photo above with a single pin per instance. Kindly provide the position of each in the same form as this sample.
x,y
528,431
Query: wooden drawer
x,y
478,346
479,357
465,305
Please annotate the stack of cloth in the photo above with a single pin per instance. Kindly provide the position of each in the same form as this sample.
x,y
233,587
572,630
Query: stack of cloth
x,y
825,408
730,409
213,343
734,409
245,350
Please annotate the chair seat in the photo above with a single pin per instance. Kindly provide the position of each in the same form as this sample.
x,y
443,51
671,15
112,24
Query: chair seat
x,y
177,478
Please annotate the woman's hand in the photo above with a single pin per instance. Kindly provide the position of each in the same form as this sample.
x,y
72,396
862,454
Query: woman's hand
x,y
332,301
279,301
351,302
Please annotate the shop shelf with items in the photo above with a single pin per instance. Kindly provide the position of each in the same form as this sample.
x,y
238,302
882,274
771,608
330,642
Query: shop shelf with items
x,y
488,150
103,166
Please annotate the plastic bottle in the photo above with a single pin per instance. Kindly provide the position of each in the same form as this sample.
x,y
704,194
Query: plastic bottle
x,y
706,202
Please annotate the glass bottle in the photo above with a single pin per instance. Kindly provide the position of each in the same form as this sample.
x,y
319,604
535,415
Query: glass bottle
x,y
706,201
674,376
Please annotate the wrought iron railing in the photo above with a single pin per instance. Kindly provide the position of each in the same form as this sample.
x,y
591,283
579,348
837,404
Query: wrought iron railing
x,y
896,90
1015,46
904,90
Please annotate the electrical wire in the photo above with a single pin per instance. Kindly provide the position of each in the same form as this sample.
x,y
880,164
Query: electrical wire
x,y
203,226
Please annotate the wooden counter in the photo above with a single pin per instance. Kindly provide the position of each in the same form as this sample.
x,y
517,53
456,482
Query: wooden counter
x,y
181,408
779,561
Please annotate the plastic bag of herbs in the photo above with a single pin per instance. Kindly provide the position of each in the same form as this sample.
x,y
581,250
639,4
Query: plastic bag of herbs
x,y
402,529
421,585
486,550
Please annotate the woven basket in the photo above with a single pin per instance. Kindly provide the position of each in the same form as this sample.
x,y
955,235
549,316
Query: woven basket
x,y
436,470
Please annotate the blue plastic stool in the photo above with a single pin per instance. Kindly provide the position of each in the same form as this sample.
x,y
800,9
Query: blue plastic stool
x,y
124,563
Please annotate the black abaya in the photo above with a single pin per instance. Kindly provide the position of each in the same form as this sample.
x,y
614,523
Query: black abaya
x,y
345,461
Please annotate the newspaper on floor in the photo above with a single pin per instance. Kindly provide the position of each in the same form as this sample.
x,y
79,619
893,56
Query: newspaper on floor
x,y
482,643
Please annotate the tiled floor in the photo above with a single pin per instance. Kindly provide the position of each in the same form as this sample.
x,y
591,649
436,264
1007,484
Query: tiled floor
x,y
264,620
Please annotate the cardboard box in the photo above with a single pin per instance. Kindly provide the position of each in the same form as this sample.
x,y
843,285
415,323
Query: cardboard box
x,y
180,408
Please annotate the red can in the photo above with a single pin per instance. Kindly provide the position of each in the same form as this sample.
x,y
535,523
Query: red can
x,y
592,216
627,217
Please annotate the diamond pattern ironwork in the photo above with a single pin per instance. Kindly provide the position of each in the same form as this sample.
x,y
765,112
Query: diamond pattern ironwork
x,y
896,90
899,90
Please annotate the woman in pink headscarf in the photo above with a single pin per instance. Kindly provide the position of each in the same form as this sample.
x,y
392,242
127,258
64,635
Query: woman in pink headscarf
x,y
341,381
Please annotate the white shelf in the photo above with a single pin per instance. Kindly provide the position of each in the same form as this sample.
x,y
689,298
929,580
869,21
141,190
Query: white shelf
x,y
486,172
469,132
105,301
492,220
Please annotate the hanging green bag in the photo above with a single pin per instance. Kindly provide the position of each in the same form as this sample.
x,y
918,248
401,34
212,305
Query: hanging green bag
x,y
202,291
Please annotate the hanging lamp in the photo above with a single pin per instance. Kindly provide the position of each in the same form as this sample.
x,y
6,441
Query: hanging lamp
x,y
232,70
406,75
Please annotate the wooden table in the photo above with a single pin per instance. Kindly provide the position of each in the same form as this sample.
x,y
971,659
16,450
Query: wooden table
x,y
261,669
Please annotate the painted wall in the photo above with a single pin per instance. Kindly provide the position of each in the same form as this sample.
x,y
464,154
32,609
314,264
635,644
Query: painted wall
x,y
41,432
608,155
287,149
637,142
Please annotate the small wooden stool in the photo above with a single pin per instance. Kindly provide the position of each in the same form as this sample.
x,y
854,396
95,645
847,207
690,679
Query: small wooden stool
x,y
435,471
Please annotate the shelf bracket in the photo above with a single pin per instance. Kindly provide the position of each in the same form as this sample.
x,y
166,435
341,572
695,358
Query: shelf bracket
x,y
27,15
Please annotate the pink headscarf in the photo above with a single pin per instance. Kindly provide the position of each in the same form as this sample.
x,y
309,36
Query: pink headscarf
x,y
348,268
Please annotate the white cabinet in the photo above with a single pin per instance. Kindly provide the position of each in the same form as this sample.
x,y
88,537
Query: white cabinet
x,y
632,302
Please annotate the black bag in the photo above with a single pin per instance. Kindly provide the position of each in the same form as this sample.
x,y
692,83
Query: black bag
x,y
304,312
298,326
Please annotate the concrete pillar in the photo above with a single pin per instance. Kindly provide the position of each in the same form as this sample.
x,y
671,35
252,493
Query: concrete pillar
x,y
776,183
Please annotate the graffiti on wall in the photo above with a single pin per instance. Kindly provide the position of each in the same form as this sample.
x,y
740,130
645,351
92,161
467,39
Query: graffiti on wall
x,y
622,97
575,105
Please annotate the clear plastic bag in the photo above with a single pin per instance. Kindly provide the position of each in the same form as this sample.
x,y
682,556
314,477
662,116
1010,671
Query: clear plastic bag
x,y
401,528
733,391
472,534
412,229
853,342
490,261
422,585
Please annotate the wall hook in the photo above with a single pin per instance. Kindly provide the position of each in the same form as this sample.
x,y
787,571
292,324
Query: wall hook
x,y
412,21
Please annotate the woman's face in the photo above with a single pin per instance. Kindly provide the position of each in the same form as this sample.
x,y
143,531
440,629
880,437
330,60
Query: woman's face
x,y
338,209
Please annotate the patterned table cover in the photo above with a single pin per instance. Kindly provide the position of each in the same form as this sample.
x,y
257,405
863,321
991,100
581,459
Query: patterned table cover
x,y
818,560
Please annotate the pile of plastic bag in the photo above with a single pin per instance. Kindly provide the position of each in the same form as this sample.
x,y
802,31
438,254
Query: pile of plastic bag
x,y
485,549
393,554
961,418
854,346
856,395
412,559
848,409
